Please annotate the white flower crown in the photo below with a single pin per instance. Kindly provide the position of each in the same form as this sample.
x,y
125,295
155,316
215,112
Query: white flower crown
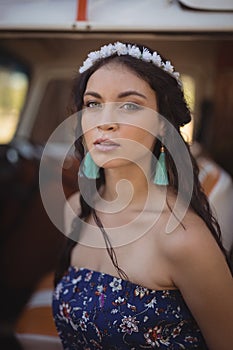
x,y
132,50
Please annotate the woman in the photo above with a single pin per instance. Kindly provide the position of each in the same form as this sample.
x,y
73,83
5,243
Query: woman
x,y
150,285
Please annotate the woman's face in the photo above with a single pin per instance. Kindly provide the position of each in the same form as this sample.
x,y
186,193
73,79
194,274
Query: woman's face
x,y
119,119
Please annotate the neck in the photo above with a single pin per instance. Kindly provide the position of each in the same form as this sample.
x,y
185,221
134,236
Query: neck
x,y
131,181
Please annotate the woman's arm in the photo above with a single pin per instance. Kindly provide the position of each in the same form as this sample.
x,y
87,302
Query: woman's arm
x,y
71,210
199,270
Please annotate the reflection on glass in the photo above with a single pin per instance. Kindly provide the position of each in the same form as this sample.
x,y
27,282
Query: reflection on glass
x,y
189,94
13,90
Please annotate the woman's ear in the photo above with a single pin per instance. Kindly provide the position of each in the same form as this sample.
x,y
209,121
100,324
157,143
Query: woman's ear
x,y
162,128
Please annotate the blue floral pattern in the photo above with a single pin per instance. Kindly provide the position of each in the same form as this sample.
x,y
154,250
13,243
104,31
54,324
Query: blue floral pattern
x,y
94,310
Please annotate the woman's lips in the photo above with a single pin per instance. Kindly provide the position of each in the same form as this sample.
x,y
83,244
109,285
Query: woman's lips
x,y
105,145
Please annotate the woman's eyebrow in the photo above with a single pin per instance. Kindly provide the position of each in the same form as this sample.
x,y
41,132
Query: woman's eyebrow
x,y
121,95
131,92
92,93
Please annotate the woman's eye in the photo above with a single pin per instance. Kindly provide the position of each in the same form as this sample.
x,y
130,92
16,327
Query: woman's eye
x,y
130,106
92,104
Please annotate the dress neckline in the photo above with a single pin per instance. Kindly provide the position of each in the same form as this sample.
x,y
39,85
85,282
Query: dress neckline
x,y
110,277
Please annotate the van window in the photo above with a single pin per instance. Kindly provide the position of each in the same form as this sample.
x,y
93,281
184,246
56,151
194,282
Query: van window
x,y
14,84
189,94
53,109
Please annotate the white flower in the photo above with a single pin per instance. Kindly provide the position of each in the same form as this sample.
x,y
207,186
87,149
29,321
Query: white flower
x,y
152,303
114,311
134,51
129,324
86,65
153,336
141,291
120,48
156,59
116,284
65,310
167,66
94,55
165,294
106,51
146,55
119,300
176,75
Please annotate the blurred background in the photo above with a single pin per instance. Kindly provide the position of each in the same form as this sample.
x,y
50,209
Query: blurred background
x,y
42,44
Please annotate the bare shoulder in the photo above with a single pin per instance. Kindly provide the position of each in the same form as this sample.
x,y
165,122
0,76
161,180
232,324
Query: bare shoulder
x,y
189,238
194,256
199,270
71,210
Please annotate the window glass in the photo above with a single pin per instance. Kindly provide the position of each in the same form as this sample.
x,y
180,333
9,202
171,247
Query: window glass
x,y
53,110
13,90
189,94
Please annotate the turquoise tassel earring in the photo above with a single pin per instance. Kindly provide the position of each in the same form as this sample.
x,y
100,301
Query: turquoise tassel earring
x,y
161,177
90,169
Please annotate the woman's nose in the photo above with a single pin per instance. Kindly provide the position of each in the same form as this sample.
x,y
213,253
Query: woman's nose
x,y
108,118
108,126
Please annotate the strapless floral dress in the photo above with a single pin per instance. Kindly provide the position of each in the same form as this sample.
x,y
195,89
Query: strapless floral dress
x,y
94,310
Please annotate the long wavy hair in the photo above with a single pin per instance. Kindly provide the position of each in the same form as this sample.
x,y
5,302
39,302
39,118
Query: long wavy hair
x,y
173,107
